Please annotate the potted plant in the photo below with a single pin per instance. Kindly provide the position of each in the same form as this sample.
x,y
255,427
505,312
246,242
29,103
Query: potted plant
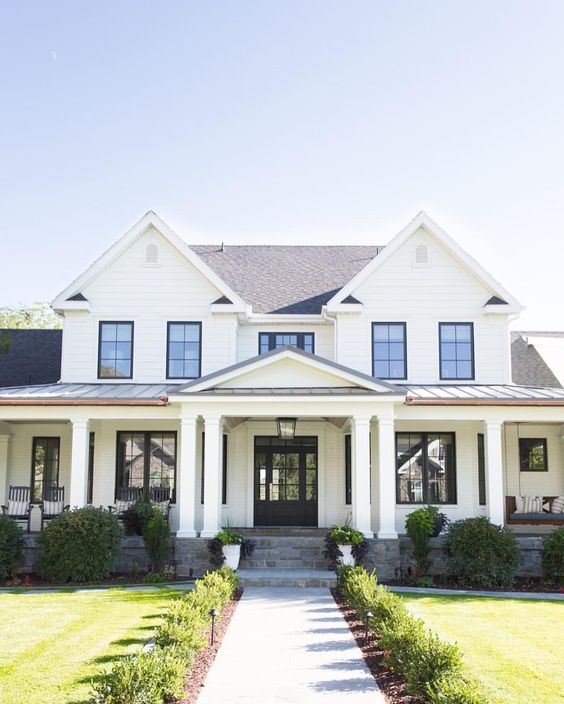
x,y
344,544
227,547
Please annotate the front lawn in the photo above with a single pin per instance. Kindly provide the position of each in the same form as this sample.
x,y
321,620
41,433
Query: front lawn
x,y
54,644
512,646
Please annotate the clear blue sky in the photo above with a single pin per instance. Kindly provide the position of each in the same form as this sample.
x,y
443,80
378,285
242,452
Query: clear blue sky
x,y
283,122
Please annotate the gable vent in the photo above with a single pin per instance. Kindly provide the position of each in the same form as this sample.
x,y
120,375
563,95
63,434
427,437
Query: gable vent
x,y
152,254
421,254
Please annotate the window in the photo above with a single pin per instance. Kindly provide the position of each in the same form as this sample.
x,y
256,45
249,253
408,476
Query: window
x,y
273,340
184,347
533,455
348,470
481,471
223,470
90,468
425,468
115,350
456,350
147,460
389,353
44,465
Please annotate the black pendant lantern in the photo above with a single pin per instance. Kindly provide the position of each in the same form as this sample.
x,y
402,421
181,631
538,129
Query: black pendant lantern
x,y
286,428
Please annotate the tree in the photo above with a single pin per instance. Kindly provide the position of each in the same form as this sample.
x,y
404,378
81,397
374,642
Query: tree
x,y
39,315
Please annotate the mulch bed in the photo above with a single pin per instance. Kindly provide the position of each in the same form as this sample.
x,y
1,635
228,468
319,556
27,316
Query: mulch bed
x,y
391,684
204,659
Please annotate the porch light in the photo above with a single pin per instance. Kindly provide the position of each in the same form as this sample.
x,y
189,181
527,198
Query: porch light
x,y
286,428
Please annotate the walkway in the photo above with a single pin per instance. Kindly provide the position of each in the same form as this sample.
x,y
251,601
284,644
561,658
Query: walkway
x,y
289,646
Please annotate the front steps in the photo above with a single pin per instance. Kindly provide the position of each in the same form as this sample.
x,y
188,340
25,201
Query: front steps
x,y
286,578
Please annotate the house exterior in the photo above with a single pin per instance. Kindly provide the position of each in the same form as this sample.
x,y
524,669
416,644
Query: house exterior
x,y
180,364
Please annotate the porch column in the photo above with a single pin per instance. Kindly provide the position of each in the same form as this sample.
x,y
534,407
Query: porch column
x,y
386,478
186,484
212,462
494,472
79,462
361,475
4,440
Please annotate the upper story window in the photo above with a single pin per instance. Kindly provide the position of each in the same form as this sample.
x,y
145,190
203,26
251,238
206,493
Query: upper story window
x,y
274,340
115,350
456,350
389,350
184,350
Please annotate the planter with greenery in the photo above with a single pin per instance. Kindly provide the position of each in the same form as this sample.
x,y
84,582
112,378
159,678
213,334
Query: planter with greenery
x,y
228,547
420,526
345,545
11,547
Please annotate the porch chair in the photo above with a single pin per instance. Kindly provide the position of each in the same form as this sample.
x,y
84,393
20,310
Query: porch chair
x,y
53,503
126,496
159,497
19,505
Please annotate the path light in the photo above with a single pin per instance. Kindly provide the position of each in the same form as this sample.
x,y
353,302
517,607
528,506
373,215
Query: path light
x,y
213,614
367,616
286,428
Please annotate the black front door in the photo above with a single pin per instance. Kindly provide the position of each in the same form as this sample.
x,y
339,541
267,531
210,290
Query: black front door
x,y
285,481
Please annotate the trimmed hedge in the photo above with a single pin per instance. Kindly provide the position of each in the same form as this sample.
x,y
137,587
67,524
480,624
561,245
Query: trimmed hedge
x,y
432,668
81,545
157,677
11,546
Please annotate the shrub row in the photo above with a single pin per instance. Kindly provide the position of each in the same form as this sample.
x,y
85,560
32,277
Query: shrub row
x,y
431,667
157,677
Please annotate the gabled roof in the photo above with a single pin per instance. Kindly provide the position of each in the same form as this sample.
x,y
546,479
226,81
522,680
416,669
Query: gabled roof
x,y
529,363
72,293
30,356
348,378
422,220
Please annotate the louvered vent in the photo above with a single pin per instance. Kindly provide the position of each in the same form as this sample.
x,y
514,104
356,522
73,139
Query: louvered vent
x,y
152,254
421,255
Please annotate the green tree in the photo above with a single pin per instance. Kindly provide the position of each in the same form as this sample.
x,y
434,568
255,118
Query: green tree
x,y
38,315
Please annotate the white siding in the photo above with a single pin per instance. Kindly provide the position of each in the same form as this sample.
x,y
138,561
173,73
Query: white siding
x,y
423,296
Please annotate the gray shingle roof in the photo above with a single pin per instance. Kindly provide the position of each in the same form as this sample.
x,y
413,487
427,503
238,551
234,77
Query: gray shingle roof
x,y
30,356
528,367
286,279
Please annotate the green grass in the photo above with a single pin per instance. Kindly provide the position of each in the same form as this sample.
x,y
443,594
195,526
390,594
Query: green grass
x,y
512,646
52,645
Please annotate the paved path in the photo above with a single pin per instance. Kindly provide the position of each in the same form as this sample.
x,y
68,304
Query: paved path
x,y
550,596
289,646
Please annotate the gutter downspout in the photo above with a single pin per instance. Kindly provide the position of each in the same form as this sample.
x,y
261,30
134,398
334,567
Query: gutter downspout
x,y
333,320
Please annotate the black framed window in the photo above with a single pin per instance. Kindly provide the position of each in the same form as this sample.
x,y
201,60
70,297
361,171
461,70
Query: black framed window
x,y
533,455
115,350
456,350
223,470
184,350
45,465
425,468
481,470
389,350
273,340
147,460
90,469
348,470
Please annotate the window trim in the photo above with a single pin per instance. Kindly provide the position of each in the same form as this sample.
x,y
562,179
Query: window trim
x,y
146,467
91,456
131,323
545,452
391,322
473,361
167,352
424,442
35,440
348,469
272,337
482,488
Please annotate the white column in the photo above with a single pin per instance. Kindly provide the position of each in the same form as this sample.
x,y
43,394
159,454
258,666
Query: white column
x,y
361,475
79,463
186,483
4,439
212,460
494,472
386,478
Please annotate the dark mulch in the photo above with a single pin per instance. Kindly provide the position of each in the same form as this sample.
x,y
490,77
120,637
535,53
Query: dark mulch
x,y
391,684
204,659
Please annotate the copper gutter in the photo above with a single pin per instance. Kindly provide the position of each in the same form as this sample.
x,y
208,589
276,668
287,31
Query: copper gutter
x,y
411,401
162,401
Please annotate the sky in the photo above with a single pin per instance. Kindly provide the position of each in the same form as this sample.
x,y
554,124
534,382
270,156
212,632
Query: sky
x,y
283,122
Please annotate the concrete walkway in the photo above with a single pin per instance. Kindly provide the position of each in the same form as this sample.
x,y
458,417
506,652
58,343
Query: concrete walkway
x,y
289,646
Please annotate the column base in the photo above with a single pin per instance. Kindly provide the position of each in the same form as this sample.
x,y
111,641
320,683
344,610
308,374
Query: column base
x,y
387,535
186,534
209,533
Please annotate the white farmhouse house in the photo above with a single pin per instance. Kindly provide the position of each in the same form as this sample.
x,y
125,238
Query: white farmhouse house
x,y
287,386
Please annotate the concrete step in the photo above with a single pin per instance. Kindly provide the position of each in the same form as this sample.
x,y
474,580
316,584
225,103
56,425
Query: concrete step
x,y
279,563
286,578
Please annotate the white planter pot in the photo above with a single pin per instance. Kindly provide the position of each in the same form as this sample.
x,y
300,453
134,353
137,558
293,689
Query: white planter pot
x,y
232,554
347,558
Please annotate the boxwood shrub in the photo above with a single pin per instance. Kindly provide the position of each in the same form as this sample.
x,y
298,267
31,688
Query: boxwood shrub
x,y
552,556
81,545
481,553
11,546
